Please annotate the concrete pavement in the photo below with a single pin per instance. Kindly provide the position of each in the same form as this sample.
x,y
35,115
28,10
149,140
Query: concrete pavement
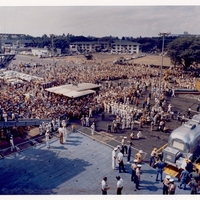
x,y
75,168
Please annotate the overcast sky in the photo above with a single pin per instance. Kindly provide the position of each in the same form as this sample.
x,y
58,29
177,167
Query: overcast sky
x,y
100,21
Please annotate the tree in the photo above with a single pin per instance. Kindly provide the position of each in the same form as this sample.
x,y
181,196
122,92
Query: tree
x,y
184,51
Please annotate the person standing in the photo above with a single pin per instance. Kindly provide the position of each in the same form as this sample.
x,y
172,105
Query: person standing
x,y
12,143
160,166
133,167
119,185
184,179
64,124
138,156
90,112
166,184
153,157
5,116
137,177
129,152
172,187
83,120
47,139
92,128
104,186
194,186
87,121
114,156
120,161
189,166
124,147
61,134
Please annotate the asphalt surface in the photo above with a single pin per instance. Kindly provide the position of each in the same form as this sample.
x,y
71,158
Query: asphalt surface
x,y
74,168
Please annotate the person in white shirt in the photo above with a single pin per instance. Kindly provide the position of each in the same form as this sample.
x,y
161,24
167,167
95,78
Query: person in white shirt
x,y
87,121
47,139
119,184
104,186
120,161
114,156
92,128
139,135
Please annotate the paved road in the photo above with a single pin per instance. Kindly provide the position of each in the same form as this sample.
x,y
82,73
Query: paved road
x,y
75,168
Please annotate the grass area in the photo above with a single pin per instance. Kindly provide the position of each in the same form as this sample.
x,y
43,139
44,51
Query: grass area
x,y
109,58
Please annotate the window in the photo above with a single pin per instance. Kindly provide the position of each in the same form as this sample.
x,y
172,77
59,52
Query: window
x,y
178,145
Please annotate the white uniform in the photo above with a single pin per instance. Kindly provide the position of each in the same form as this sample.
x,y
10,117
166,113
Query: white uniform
x,y
114,156
87,121
92,129
12,143
47,139
120,183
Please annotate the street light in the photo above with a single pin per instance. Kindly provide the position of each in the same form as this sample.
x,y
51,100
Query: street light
x,y
161,66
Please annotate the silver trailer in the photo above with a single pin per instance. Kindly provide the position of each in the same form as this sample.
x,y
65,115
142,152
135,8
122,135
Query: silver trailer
x,y
184,142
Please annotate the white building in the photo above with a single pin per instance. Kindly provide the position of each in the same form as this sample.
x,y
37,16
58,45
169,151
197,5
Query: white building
x,y
88,46
123,46
120,46
44,52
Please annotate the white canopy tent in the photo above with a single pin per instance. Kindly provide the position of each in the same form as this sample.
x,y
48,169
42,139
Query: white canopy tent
x,y
73,91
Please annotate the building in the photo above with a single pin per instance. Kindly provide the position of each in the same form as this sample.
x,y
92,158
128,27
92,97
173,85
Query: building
x,y
44,52
118,46
90,46
124,46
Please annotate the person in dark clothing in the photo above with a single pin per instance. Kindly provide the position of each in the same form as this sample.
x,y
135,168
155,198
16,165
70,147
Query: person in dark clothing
x,y
119,185
109,128
160,166
166,184
194,186
103,116
195,175
129,152
120,161
189,166
184,179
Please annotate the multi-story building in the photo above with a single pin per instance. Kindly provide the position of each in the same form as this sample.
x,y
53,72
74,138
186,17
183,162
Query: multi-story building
x,y
91,46
118,46
123,46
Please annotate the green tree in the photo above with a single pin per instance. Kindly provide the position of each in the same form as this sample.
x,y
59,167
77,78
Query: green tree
x,y
184,51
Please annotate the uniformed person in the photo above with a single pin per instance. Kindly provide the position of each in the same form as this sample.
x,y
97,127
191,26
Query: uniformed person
x,y
160,166
133,167
166,184
119,185
194,186
124,147
104,186
137,177
153,157
171,187
61,134
47,139
114,156
138,156
92,128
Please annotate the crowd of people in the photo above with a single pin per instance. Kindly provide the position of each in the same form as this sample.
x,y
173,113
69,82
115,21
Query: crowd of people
x,y
42,104
188,176
121,94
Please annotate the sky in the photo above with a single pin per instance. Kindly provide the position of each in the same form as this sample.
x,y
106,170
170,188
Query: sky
x,y
100,19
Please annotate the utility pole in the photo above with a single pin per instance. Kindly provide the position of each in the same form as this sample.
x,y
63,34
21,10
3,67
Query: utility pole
x,y
161,66
52,52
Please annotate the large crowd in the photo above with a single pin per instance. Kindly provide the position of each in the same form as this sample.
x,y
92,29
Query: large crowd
x,y
39,103
125,91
